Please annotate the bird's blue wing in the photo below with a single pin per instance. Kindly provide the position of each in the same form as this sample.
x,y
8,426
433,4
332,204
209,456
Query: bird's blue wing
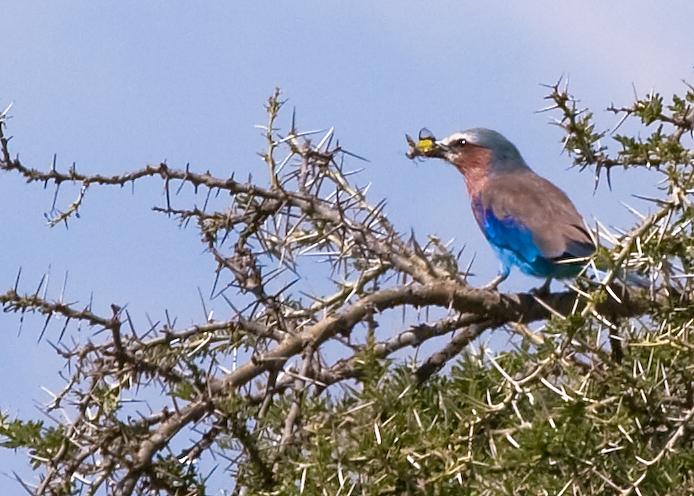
x,y
512,241
516,244
509,234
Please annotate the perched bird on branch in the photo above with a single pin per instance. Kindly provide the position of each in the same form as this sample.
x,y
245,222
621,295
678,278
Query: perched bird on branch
x,y
529,222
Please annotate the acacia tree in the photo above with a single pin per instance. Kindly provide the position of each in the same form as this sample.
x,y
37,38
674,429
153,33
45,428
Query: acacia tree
x,y
293,392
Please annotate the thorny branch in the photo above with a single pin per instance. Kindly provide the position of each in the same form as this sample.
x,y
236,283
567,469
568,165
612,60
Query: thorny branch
x,y
310,219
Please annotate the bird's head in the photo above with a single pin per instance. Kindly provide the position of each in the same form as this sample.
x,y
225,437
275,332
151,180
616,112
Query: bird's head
x,y
474,150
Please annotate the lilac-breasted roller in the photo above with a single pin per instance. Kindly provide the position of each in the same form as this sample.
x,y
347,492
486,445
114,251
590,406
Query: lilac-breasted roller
x,y
528,221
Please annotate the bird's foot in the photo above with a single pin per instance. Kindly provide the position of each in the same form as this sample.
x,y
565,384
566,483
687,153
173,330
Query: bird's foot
x,y
542,290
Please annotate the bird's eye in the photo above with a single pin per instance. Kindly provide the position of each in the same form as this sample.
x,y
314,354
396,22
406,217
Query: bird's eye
x,y
460,142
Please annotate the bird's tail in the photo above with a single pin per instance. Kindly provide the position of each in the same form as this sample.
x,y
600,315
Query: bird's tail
x,y
628,277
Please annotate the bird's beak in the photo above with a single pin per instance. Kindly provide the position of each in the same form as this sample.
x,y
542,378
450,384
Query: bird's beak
x,y
425,146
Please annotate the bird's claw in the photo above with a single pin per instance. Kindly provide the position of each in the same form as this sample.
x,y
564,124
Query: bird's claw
x,y
542,290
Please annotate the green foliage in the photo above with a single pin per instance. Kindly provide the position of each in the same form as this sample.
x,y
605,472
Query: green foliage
x,y
649,109
472,432
42,442
656,150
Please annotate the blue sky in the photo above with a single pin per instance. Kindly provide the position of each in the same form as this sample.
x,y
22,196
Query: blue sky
x,y
116,85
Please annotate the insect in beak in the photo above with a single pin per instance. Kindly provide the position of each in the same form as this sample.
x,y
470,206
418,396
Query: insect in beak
x,y
425,146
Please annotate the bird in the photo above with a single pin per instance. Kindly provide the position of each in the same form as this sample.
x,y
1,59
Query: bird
x,y
529,222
